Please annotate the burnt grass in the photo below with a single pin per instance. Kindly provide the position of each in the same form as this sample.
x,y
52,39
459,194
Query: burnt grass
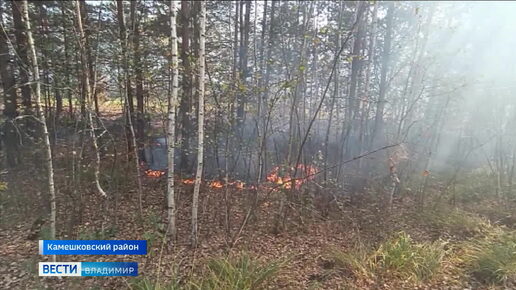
x,y
312,226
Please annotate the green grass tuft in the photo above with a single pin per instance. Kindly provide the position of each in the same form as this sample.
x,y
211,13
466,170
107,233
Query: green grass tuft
x,y
494,261
359,261
240,273
399,256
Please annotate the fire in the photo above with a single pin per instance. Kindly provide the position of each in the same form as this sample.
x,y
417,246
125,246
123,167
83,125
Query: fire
x,y
240,185
189,181
277,175
216,184
307,173
220,184
154,173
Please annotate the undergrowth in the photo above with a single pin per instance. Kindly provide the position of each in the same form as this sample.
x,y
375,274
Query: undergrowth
x,y
225,273
493,260
452,221
399,256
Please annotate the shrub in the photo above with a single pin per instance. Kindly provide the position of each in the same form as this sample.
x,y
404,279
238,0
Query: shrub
x,y
494,261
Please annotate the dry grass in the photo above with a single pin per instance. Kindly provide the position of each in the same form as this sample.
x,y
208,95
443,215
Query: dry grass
x,y
398,257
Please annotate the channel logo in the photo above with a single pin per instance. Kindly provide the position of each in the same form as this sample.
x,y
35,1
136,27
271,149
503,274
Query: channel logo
x,y
60,268
86,269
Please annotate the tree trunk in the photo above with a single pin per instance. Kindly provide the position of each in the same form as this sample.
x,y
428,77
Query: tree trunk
x,y
132,135
356,66
243,61
37,91
378,138
235,43
23,60
67,60
172,103
89,55
88,95
45,57
200,121
128,92
261,97
368,71
138,71
335,93
185,107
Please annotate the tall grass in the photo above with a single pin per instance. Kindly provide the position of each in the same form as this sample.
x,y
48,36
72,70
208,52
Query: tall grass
x,y
240,273
493,261
409,259
399,256
358,261
237,273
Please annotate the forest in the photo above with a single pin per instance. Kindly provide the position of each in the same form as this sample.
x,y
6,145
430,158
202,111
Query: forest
x,y
261,144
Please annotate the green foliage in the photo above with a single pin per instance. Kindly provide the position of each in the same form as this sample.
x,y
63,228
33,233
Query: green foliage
x,y
399,256
157,227
3,186
238,273
154,220
151,237
494,261
409,259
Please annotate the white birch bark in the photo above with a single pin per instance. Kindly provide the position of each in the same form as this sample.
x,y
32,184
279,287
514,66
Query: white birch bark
x,y
172,103
42,119
88,96
200,149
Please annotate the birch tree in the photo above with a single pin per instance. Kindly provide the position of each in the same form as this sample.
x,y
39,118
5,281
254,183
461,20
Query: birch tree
x,y
21,51
88,95
41,116
200,148
172,103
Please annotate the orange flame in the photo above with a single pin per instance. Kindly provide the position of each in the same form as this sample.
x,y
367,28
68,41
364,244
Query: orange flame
x,y
216,184
307,173
240,185
189,181
154,173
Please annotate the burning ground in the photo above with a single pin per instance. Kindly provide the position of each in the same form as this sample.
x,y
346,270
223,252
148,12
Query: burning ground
x,y
278,177
305,244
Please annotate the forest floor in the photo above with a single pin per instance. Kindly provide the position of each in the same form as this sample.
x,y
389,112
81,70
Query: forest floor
x,y
305,242
305,246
